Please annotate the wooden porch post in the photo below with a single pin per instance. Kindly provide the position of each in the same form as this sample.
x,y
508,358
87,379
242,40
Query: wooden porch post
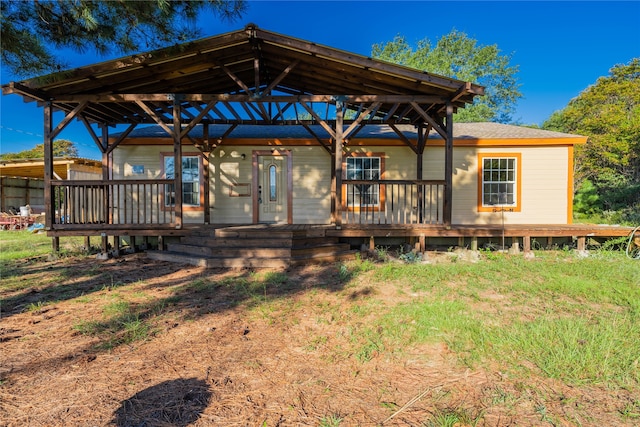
x,y
419,168
448,168
205,173
49,202
177,159
338,163
106,174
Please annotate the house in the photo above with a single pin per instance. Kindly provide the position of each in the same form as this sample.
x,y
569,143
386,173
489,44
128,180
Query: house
x,y
281,174
256,127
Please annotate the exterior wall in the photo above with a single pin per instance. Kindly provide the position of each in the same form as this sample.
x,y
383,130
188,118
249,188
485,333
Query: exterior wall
x,y
544,186
150,157
16,192
311,173
544,180
80,173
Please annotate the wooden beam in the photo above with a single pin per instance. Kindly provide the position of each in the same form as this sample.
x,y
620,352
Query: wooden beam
x,y
404,139
197,119
363,62
320,120
275,82
177,160
317,138
48,166
448,169
202,97
205,174
121,137
430,119
235,78
360,117
155,117
67,119
100,144
337,155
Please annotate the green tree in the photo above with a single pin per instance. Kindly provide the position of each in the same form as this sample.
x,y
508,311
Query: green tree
x,y
608,112
61,148
122,26
458,56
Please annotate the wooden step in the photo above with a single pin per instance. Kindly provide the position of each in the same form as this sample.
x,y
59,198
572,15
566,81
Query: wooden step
x,y
230,252
256,246
209,262
260,242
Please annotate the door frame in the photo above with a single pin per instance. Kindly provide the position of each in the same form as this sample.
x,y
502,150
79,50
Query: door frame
x,y
255,180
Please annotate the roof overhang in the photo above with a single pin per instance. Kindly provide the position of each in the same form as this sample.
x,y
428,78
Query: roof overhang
x,y
34,168
250,76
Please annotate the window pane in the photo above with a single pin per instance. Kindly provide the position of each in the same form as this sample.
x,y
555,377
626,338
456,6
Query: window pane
x,y
273,184
168,167
190,180
498,181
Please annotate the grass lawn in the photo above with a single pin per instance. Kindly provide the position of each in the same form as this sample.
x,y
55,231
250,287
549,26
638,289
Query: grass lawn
x,y
553,340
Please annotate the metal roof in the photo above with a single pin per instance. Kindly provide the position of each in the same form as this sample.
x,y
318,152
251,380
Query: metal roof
x,y
34,168
250,75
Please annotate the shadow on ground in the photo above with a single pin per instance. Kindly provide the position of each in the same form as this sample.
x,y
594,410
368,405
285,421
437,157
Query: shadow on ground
x,y
177,403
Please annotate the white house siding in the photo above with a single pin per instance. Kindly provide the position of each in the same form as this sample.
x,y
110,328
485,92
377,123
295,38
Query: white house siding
x,y
150,157
311,185
311,173
544,184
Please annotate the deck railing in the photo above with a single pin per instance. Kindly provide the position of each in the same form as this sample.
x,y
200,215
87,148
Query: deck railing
x,y
112,204
393,202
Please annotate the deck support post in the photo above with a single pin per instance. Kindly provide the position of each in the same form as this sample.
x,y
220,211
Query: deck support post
x,y
205,173
448,168
105,243
474,243
337,159
419,169
582,243
116,246
526,244
177,159
87,243
372,244
422,243
49,202
55,244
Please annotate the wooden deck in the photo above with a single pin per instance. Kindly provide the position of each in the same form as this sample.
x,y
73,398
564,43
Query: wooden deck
x,y
271,245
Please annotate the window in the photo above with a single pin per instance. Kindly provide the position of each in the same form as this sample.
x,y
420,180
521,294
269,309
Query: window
x,y
190,181
363,168
499,182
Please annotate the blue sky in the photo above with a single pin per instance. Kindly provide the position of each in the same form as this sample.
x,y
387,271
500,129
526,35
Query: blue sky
x,y
560,47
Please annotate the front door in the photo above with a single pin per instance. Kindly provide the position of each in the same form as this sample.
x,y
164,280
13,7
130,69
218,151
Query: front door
x,y
273,189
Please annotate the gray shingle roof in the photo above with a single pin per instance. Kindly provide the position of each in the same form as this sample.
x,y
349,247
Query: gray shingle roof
x,y
483,130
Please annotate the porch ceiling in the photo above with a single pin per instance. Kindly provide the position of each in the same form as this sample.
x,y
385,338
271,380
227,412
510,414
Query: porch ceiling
x,y
246,76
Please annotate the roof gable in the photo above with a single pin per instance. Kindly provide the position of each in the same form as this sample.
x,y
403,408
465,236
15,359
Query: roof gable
x,y
251,68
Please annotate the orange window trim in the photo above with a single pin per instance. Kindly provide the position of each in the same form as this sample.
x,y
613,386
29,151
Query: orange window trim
x,y
570,179
518,157
381,205
185,208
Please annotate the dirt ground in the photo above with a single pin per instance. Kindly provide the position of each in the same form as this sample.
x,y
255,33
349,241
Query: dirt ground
x,y
218,357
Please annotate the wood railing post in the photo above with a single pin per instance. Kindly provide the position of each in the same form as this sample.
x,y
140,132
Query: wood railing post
x,y
49,200
177,156
338,163
448,168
